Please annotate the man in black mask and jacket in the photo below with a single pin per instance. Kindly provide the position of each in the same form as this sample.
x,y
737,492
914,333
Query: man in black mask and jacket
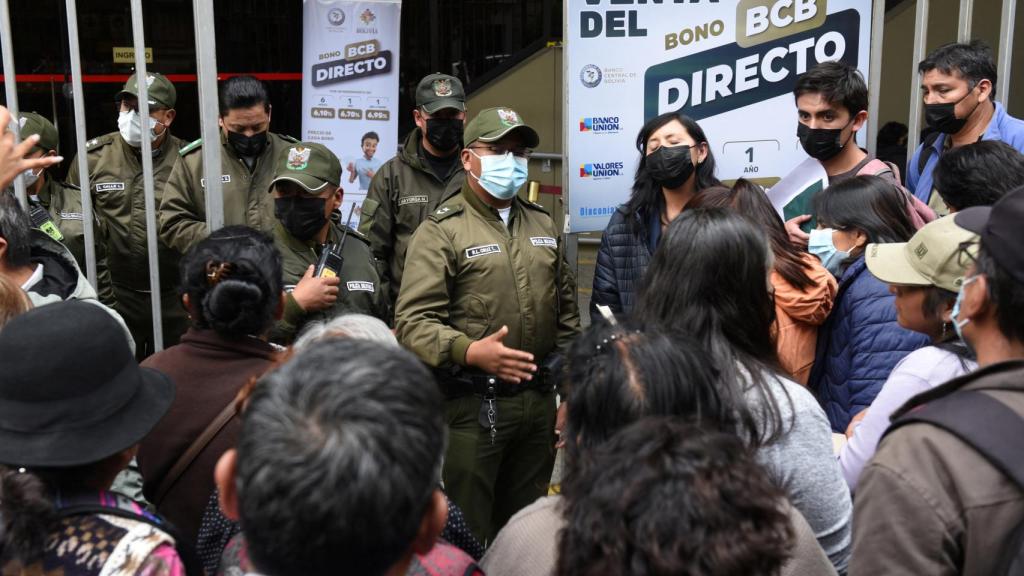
x,y
248,149
328,267
412,185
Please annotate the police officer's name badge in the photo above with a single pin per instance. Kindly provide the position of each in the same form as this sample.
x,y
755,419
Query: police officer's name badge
x,y
477,251
298,157
543,241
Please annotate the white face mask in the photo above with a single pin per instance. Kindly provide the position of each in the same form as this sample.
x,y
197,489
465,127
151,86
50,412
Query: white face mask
x,y
130,126
29,177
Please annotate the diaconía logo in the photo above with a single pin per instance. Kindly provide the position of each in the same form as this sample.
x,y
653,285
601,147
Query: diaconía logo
x,y
601,170
590,76
336,17
600,125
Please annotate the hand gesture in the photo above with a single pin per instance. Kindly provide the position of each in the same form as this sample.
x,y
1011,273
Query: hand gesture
x,y
493,357
314,294
796,235
12,158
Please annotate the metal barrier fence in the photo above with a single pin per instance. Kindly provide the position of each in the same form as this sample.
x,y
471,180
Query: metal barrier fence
x,y
206,64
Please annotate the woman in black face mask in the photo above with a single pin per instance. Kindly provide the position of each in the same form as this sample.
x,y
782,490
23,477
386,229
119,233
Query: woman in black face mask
x,y
676,164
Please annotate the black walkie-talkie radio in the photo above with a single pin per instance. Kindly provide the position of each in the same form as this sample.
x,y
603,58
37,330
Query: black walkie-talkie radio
x,y
330,261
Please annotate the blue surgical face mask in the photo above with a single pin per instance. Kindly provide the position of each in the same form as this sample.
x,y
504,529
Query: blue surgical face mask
x,y
954,315
501,175
820,244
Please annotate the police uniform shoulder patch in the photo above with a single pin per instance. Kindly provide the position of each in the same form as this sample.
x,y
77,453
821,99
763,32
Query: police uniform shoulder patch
x,y
446,211
194,145
287,138
99,142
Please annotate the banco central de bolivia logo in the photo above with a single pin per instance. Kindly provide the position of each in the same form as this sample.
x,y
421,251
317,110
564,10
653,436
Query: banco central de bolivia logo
x,y
601,170
600,125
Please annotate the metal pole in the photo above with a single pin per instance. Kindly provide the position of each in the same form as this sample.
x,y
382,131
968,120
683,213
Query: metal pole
x,y
920,40
206,64
139,40
1006,54
963,30
83,160
11,89
875,73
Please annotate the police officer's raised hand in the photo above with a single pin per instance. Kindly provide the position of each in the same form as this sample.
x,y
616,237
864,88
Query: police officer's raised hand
x,y
314,294
492,356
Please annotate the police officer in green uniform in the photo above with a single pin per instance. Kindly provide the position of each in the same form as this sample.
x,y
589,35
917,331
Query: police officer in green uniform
x,y
488,301
306,195
118,197
248,150
60,215
426,171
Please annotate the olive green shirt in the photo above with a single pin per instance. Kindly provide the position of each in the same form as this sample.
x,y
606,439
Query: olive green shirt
x,y
64,204
246,201
359,291
402,193
468,274
119,201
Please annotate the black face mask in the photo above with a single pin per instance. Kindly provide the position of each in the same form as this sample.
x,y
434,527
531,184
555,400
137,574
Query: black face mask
x,y
302,217
821,143
250,146
670,166
943,118
444,133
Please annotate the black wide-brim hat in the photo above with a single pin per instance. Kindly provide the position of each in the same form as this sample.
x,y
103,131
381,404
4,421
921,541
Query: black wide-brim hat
x,y
71,392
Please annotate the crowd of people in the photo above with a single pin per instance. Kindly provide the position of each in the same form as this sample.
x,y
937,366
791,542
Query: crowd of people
x,y
841,392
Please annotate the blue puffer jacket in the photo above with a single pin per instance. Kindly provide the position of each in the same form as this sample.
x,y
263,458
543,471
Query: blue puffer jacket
x,y
622,261
858,346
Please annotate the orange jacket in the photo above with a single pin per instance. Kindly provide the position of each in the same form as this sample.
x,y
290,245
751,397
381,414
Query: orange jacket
x,y
798,315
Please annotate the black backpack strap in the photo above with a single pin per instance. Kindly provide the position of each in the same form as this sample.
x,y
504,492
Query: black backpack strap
x,y
927,151
185,551
984,423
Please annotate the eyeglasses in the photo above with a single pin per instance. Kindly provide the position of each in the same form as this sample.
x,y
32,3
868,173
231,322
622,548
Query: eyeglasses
x,y
519,151
966,253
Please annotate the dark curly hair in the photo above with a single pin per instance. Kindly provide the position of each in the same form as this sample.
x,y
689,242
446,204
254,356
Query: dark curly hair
x,y
664,497
234,281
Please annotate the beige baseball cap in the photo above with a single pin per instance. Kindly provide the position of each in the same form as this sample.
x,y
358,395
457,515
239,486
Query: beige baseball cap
x,y
931,257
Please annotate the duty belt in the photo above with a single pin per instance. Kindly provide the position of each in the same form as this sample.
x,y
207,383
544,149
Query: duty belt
x,y
464,382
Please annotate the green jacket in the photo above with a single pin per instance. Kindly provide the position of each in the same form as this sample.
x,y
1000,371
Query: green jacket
x,y
359,291
118,198
64,204
246,202
402,193
468,274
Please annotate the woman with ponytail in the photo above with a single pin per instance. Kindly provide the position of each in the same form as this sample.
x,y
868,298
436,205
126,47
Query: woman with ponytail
x,y
232,290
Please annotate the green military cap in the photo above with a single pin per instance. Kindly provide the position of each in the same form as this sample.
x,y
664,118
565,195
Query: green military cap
x,y
309,164
161,91
33,123
494,123
438,91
